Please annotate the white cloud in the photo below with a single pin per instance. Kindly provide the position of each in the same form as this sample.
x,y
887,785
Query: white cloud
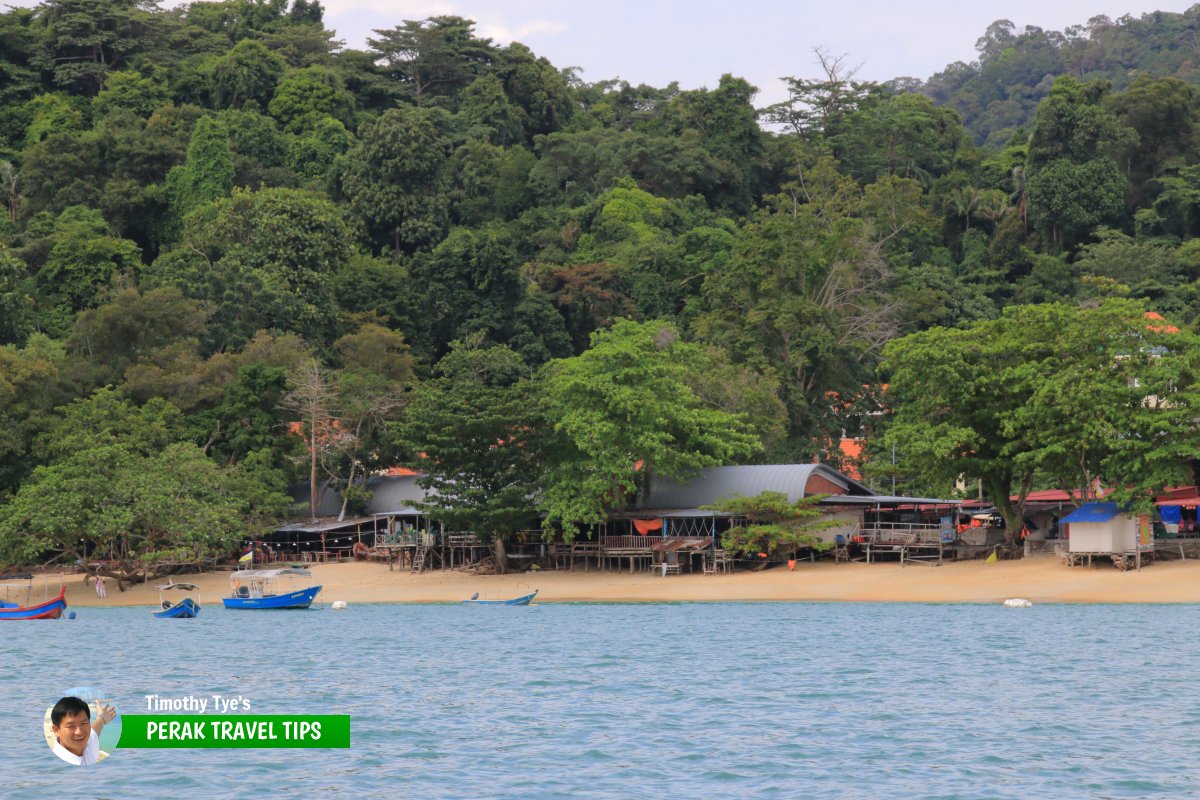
x,y
399,9
504,34
352,18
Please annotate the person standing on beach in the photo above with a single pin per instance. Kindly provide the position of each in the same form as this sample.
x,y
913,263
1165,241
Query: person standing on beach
x,y
101,589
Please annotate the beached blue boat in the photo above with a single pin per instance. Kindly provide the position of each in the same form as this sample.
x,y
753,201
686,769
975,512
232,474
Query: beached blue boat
x,y
258,589
517,601
187,608
50,609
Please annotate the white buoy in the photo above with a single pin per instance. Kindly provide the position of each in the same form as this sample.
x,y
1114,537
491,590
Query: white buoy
x,y
339,605
1017,602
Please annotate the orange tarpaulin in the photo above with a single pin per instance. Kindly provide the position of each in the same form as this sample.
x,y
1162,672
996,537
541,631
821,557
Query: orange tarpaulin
x,y
644,526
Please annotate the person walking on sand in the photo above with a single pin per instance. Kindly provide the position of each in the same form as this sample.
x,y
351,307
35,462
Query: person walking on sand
x,y
101,589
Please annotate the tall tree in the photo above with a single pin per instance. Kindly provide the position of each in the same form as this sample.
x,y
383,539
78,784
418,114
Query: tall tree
x,y
83,40
305,96
121,485
433,58
373,386
624,412
208,173
247,72
263,260
312,399
394,179
1072,181
478,428
1048,393
805,295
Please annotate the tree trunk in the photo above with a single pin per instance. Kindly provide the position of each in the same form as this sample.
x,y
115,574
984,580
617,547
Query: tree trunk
x,y
500,554
346,494
312,471
122,574
1000,490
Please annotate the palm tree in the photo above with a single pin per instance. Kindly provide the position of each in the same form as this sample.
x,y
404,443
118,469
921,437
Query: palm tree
x,y
992,205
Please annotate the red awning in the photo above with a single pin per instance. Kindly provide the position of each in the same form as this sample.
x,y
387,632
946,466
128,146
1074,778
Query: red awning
x,y
1185,502
644,526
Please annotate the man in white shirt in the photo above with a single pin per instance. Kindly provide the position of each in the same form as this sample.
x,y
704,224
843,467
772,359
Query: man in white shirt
x,y
77,739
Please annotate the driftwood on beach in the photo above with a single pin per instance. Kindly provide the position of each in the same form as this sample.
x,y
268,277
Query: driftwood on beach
x,y
128,574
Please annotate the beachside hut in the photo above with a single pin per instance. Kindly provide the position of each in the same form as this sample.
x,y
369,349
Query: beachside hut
x,y
401,530
678,503
322,539
674,510
1104,529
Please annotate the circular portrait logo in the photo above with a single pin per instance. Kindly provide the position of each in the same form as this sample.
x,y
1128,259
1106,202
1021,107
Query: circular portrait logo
x,y
82,727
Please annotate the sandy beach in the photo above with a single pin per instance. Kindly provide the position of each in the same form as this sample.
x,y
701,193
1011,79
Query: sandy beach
x,y
1042,580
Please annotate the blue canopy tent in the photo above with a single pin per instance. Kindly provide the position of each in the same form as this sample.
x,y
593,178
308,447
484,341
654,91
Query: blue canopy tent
x,y
1092,512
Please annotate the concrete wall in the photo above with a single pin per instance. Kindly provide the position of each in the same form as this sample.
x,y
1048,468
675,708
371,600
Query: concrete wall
x,y
848,522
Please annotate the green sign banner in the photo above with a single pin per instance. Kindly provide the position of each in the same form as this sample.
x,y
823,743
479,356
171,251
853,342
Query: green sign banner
x,y
234,730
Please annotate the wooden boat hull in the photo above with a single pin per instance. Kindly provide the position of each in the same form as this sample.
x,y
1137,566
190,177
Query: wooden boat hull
x,y
517,601
299,599
51,609
184,609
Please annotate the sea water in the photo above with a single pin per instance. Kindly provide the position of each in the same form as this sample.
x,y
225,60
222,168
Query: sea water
x,y
674,701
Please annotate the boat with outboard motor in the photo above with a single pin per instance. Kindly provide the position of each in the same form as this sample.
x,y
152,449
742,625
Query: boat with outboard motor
x,y
187,608
259,589
516,601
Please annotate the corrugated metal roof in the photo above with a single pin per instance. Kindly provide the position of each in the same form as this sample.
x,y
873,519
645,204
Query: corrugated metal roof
x,y
325,524
719,483
1092,512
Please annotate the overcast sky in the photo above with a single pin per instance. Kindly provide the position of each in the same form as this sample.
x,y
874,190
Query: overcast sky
x,y
695,41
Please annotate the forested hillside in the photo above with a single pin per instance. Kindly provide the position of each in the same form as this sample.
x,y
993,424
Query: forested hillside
x,y
235,253
1000,92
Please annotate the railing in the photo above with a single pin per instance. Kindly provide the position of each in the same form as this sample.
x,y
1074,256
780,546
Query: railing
x,y
900,533
639,542
628,542
406,539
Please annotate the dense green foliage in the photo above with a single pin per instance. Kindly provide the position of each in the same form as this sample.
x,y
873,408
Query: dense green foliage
x,y
1049,395
1016,69
298,261
773,527
479,428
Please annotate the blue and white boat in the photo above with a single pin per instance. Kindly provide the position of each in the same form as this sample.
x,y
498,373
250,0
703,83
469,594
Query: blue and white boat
x,y
187,608
260,589
516,601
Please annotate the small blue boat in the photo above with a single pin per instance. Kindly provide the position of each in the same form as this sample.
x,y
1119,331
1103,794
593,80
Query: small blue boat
x,y
516,601
187,608
258,589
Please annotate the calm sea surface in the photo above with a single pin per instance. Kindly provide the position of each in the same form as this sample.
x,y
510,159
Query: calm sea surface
x,y
638,701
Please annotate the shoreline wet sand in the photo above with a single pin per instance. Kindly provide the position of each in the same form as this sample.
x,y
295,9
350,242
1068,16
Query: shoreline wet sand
x,y
1042,580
